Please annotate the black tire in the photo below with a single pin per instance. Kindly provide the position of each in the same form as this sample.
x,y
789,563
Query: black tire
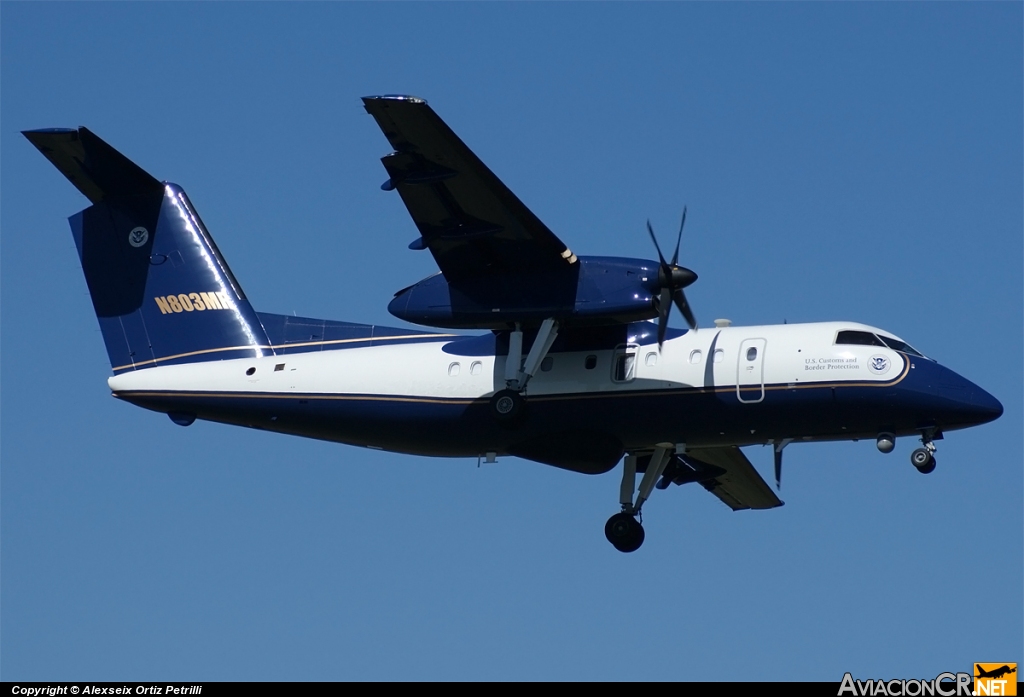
x,y
624,532
929,468
921,457
507,406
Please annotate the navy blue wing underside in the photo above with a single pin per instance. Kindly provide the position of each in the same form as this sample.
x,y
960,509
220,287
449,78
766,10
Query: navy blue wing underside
x,y
469,220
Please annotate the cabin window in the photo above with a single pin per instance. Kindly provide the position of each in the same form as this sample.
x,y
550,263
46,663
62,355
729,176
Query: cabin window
x,y
590,363
858,339
547,364
624,365
719,355
454,369
476,367
251,371
751,354
695,357
651,360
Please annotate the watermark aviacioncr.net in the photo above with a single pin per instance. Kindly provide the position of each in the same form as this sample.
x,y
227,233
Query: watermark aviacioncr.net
x,y
989,680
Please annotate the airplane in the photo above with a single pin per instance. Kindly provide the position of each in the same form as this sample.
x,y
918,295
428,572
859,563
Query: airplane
x,y
995,673
577,366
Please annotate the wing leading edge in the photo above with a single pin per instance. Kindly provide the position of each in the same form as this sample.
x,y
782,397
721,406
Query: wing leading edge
x,y
741,487
468,219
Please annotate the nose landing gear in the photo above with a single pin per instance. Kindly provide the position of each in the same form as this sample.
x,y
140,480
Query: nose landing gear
x,y
924,458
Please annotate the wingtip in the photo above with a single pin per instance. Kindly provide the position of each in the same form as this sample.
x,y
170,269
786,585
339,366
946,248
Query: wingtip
x,y
394,98
48,130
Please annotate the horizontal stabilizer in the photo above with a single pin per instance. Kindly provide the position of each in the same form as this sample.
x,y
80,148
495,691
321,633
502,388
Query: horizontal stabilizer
x,y
741,487
96,169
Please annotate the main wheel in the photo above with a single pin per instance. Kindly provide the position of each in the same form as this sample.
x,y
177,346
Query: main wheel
x,y
921,457
507,406
929,467
624,532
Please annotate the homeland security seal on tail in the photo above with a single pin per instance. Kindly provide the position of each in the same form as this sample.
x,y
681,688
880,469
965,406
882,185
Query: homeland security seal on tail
x,y
138,236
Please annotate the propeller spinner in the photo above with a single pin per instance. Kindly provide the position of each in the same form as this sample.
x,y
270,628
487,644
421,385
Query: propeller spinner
x,y
672,278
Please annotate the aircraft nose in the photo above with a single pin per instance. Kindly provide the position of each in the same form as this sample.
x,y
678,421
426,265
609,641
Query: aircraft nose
x,y
967,403
985,405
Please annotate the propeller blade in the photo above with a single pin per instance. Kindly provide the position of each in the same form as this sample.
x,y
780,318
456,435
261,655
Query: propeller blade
x,y
672,278
778,469
654,239
664,307
679,238
684,307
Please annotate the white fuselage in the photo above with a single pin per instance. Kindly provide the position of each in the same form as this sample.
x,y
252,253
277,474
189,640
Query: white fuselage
x,y
789,355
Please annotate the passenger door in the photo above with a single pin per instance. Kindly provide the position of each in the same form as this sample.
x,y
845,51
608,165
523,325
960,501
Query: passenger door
x,y
750,371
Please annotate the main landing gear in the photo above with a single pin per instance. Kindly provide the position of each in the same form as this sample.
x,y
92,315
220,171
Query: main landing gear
x,y
508,405
624,532
625,529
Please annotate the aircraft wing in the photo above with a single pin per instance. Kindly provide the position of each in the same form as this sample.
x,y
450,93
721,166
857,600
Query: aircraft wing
x,y
741,487
468,219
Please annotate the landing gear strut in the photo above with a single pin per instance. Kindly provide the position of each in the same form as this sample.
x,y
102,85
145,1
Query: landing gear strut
x,y
924,458
625,529
508,405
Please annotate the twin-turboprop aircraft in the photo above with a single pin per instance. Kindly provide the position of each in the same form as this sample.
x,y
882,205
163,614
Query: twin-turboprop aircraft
x,y
578,367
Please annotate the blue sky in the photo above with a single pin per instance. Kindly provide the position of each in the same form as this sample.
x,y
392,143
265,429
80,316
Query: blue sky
x,y
858,161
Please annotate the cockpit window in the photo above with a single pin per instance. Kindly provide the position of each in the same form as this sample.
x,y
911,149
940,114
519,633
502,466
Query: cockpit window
x,y
858,339
897,345
868,339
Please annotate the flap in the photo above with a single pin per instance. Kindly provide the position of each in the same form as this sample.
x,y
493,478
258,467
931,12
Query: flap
x,y
741,487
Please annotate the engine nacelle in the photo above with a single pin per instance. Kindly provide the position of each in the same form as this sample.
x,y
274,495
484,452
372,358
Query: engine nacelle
x,y
595,291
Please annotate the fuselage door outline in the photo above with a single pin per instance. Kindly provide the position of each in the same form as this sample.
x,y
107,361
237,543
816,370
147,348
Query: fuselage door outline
x,y
750,371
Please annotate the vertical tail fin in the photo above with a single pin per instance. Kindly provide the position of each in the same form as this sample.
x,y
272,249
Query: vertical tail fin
x,y
161,289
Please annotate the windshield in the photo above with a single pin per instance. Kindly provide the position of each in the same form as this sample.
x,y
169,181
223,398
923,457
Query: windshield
x,y
861,338
858,339
897,345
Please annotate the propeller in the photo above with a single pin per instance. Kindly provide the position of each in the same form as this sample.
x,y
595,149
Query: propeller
x,y
672,278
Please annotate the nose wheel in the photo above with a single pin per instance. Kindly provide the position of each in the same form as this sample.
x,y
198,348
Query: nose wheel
x,y
924,458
